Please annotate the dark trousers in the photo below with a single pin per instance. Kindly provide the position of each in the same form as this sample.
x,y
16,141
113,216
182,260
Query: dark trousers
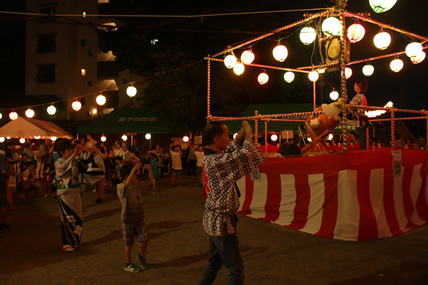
x,y
361,133
224,251
191,167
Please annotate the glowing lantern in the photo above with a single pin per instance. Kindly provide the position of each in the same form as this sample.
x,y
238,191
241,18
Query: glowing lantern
x,y
76,105
321,70
289,76
280,53
313,76
239,68
185,138
419,58
1,115
263,78
101,99
148,136
389,104
53,138
307,35
247,57
2,139
131,91
37,137
413,49
273,137
356,33
331,27
13,116
309,139
21,140
396,65
334,95
230,61
380,6
51,110
330,137
348,72
382,40
124,138
368,70
103,138
235,135
29,113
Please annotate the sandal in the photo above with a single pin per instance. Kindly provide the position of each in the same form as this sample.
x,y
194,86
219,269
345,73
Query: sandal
x,y
67,248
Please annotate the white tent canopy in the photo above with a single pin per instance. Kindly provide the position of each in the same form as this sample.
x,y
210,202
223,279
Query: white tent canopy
x,y
32,128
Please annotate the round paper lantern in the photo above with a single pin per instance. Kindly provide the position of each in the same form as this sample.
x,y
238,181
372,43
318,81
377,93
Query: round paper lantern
x,y
51,110
368,70
1,116
389,104
415,59
413,49
124,138
331,27
76,105
307,35
356,33
235,135
348,72
247,57
103,138
131,91
148,136
22,140
289,76
313,76
230,61
334,95
263,78
53,138
382,40
2,139
280,53
380,6
396,65
239,68
101,99
185,138
273,137
29,113
13,116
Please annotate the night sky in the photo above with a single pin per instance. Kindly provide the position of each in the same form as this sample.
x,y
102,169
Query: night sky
x,y
406,89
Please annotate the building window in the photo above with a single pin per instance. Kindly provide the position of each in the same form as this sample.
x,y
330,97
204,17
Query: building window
x,y
50,18
83,72
46,43
46,73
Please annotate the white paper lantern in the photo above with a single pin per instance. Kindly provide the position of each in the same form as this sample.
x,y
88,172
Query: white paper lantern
x,y
382,40
263,78
419,58
289,76
76,105
2,139
413,49
368,70
148,136
13,116
334,95
356,33
307,35
247,57
124,138
348,72
22,140
280,53
101,99
185,138
1,116
53,138
274,137
29,113
230,61
103,138
380,6
51,110
331,27
131,91
313,75
396,65
239,68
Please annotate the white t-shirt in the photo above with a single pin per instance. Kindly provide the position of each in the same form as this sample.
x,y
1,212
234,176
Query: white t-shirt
x,y
176,160
199,157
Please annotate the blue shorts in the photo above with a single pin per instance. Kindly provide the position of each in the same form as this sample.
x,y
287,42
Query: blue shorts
x,y
129,230
176,171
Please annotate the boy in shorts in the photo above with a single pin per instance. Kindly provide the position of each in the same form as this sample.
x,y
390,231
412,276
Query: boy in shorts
x,y
130,193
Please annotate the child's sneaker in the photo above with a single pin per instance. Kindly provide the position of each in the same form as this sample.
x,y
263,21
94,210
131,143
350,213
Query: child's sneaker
x,y
143,262
132,268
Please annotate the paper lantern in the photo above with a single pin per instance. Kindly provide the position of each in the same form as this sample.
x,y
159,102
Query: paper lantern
x,y
51,110
307,35
280,53
380,6
331,27
289,76
2,139
334,95
368,70
22,140
185,138
230,61
148,136
396,65
103,138
356,33
247,57
124,138
413,49
1,116
313,76
53,138
76,105
13,116
263,78
101,99
239,68
131,91
419,58
29,113
382,40
235,135
273,137
348,72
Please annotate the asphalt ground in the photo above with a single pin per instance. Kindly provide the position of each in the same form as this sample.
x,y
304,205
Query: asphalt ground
x,y
30,252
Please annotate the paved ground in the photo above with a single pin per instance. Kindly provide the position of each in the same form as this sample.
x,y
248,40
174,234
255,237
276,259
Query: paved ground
x,y
30,253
